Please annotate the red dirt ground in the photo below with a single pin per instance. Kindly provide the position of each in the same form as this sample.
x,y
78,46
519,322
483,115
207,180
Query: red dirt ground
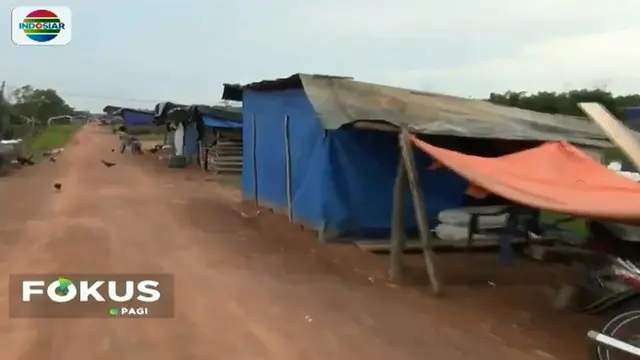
x,y
248,288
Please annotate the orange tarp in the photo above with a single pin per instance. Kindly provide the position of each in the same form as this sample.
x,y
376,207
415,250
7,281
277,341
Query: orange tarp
x,y
555,176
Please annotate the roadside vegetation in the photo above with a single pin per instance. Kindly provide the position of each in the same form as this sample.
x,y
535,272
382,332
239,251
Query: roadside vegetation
x,y
49,138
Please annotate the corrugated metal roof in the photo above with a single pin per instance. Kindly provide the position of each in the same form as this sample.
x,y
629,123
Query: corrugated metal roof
x,y
121,111
339,100
163,111
232,113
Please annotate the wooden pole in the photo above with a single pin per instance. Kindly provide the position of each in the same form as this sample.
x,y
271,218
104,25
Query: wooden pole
x,y
419,208
397,222
615,130
288,167
255,161
202,155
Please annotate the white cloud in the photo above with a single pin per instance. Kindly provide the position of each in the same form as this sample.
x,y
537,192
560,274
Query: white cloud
x,y
459,18
473,48
609,59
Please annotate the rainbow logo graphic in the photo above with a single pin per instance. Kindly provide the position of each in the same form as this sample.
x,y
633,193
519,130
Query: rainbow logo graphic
x,y
41,26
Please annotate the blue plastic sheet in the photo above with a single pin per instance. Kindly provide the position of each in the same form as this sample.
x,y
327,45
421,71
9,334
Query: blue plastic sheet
x,y
135,118
216,122
342,180
632,113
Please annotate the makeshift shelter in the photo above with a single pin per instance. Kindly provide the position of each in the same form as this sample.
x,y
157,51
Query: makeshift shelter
x,y
221,143
555,176
186,126
313,147
135,117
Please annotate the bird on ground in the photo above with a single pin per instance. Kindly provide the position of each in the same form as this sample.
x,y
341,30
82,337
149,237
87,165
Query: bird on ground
x,y
107,164
57,186
25,160
52,159
113,150
153,150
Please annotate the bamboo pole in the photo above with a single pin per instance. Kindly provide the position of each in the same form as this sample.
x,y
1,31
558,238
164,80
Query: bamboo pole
x,y
419,207
398,237
288,167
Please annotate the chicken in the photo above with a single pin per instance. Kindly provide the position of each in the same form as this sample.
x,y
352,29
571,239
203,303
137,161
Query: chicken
x,y
57,186
52,159
25,160
107,164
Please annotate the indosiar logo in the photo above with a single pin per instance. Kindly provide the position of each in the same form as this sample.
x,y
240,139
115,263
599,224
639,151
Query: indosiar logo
x,y
41,26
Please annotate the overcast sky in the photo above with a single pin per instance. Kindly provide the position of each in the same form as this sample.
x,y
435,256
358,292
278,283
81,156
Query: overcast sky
x,y
158,50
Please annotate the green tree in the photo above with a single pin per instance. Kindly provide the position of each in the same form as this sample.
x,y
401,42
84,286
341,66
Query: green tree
x,y
27,108
565,103
39,104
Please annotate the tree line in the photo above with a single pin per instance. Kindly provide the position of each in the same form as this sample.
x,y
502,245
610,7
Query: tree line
x,y
28,104
27,108
566,103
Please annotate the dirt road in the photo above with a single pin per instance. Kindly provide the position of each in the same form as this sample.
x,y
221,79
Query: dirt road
x,y
239,294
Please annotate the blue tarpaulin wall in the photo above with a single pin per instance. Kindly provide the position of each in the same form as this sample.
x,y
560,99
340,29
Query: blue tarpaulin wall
x,y
632,113
135,118
217,122
342,180
632,118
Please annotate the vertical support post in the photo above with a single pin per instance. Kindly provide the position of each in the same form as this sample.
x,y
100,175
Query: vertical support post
x,y
254,155
165,139
288,167
398,237
419,207
201,155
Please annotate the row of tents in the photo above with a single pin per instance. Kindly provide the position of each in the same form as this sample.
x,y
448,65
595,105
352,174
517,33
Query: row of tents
x,y
324,149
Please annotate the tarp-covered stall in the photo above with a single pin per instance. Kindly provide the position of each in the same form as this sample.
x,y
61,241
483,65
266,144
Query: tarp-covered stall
x,y
306,151
555,176
221,144
189,125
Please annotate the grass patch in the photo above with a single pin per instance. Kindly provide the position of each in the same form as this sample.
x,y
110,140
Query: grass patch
x,y
52,137
614,154
577,227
